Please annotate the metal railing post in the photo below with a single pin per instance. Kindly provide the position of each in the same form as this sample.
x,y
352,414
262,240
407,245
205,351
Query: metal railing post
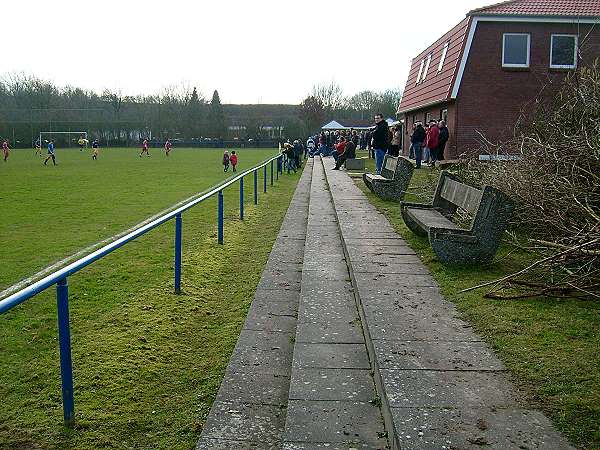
x,y
178,226
271,173
278,166
265,178
256,186
220,227
242,198
64,341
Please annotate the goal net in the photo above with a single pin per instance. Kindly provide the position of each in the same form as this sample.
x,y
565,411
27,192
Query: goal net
x,y
64,139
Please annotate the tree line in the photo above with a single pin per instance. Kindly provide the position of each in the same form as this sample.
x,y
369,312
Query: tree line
x,y
29,105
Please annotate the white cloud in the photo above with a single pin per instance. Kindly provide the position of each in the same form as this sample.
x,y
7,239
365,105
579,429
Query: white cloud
x,y
264,50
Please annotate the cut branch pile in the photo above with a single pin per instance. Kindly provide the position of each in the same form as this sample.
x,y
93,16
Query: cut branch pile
x,y
556,185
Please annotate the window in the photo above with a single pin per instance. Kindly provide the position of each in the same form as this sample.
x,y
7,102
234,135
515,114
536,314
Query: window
x,y
443,58
515,50
444,115
420,71
563,51
426,67
427,117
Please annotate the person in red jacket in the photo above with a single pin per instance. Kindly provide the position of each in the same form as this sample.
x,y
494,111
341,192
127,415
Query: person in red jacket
x,y
339,147
233,160
432,141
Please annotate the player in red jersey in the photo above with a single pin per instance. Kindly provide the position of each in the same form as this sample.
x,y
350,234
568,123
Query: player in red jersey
x,y
5,150
168,146
145,148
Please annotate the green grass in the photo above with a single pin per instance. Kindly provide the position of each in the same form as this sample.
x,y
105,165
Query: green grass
x,y
550,346
147,363
49,213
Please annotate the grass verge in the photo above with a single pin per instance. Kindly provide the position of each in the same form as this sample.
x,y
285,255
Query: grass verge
x,y
550,346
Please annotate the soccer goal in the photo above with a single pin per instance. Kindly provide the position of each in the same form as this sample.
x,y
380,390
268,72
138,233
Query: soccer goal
x,y
64,138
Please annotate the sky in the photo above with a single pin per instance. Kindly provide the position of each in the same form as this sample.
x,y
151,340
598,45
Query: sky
x,y
261,51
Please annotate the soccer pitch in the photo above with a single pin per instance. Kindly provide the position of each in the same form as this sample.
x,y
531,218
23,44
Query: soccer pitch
x,y
50,212
146,363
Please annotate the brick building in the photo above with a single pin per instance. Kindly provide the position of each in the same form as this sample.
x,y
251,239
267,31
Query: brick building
x,y
485,71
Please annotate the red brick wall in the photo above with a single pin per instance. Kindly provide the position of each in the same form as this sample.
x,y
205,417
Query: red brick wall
x,y
435,111
491,98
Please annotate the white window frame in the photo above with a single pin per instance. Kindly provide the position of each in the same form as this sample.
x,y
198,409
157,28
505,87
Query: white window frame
x,y
443,57
563,66
518,66
420,71
426,68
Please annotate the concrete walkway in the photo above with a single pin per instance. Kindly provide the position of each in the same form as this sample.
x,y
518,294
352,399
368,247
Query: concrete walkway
x,y
350,344
441,387
250,408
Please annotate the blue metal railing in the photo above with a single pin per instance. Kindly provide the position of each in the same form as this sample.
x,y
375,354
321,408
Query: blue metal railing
x,y
60,276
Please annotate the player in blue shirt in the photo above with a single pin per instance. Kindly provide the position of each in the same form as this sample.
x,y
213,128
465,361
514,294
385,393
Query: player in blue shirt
x,y
50,153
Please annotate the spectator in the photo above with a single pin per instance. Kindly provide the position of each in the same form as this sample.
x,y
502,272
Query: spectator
x,y
426,153
369,136
396,139
411,150
298,151
354,138
339,148
225,161
416,143
444,136
379,141
310,147
233,159
349,153
432,141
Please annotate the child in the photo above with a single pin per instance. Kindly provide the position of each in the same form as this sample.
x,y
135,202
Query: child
x,y
96,149
145,148
5,150
50,153
168,147
233,160
225,161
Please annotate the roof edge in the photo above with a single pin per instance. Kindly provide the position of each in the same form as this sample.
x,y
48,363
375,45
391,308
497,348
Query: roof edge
x,y
426,105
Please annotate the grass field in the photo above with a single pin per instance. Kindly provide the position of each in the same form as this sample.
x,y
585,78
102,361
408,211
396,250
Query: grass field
x,y
50,212
549,345
147,363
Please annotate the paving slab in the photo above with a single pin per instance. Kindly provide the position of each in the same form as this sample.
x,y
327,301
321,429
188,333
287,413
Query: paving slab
x,y
332,384
332,356
335,308
447,389
352,423
255,386
498,429
436,355
245,422
229,444
340,332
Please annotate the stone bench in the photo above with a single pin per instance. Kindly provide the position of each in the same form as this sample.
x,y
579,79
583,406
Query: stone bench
x,y
355,164
394,179
490,210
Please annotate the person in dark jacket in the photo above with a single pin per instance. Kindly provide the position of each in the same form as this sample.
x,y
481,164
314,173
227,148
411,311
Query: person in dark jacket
x,y
380,141
349,153
416,143
444,136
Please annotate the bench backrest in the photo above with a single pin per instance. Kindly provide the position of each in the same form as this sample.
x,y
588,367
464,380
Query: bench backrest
x,y
390,164
490,208
461,195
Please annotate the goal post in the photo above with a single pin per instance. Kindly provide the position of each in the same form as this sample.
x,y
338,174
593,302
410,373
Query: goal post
x,y
67,134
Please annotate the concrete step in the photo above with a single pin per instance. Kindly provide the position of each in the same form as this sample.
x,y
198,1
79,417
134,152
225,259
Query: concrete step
x,y
250,408
332,401
440,385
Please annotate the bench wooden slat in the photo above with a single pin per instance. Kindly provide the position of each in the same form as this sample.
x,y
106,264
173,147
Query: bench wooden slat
x,y
428,218
462,195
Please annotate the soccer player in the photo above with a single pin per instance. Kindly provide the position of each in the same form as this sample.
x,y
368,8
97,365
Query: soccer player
x,y
145,148
233,159
96,149
82,143
5,149
38,147
50,153
168,146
